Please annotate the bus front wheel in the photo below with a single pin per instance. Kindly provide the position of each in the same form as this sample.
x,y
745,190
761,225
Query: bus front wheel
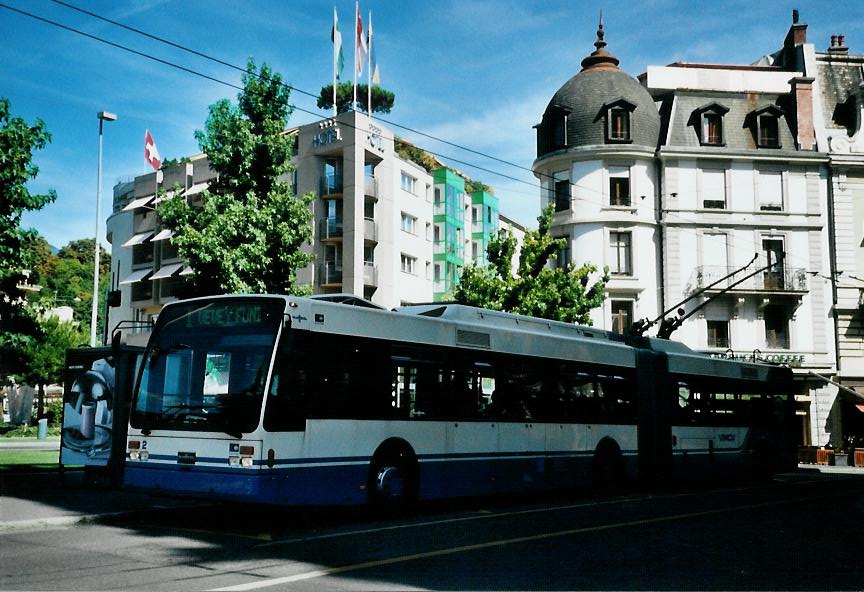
x,y
393,479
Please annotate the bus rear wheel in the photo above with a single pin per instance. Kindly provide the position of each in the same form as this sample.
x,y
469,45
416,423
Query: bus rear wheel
x,y
608,468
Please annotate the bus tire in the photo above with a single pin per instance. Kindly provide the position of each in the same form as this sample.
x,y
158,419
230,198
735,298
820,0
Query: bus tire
x,y
607,470
393,477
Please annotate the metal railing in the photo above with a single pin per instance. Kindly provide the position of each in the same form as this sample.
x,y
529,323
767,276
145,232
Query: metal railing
x,y
330,184
330,228
330,273
782,280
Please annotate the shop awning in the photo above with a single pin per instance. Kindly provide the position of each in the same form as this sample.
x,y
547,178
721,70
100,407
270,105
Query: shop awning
x,y
138,203
137,276
843,388
187,271
165,196
196,189
163,234
166,271
137,239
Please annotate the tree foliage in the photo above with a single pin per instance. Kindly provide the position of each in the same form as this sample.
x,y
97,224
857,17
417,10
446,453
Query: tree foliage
x,y
248,233
536,290
18,141
45,358
382,99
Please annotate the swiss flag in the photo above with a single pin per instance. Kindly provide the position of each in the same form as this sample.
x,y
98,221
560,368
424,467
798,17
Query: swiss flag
x,y
151,154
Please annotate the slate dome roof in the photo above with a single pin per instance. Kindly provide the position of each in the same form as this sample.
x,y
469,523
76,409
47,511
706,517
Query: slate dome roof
x,y
584,99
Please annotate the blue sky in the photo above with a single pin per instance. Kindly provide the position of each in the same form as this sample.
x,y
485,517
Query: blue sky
x,y
478,73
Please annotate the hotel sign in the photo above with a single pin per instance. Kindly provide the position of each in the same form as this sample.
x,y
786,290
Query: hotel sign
x,y
328,136
374,138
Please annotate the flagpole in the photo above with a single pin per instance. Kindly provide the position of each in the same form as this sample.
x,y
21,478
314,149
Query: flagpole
x,y
369,70
356,57
335,59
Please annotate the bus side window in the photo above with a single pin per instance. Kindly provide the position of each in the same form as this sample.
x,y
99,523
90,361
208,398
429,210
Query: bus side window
x,y
286,399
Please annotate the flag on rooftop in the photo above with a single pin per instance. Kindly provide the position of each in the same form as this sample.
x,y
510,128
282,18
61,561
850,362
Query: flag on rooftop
x,y
360,50
151,154
373,63
338,56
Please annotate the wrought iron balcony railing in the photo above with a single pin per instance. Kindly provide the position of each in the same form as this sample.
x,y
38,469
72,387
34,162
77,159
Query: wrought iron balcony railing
x,y
782,280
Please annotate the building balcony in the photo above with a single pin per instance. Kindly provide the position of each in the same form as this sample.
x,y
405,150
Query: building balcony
x,y
330,274
330,184
370,229
370,186
783,281
370,274
330,228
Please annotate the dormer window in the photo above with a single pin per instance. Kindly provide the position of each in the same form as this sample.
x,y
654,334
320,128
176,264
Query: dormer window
x,y
618,118
552,131
766,122
769,132
708,122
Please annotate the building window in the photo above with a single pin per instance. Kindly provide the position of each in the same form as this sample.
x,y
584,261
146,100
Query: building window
x,y
708,123
622,316
142,253
620,254
712,129
619,186
409,264
409,223
776,326
619,124
564,260
774,253
718,334
409,183
768,131
770,191
714,189
559,130
562,195
142,290
429,231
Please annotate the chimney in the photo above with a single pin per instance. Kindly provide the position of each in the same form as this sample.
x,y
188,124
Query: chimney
x,y
797,34
838,45
802,97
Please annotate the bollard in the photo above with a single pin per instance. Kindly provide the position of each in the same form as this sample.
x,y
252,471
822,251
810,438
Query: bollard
x,y
42,430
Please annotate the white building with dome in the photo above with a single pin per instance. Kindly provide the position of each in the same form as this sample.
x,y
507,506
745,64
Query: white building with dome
x,y
675,179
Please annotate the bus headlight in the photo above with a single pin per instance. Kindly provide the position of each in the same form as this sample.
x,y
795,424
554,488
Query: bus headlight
x,y
245,461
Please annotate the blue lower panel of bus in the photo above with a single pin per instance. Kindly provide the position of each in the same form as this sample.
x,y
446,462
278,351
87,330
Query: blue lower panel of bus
x,y
295,486
341,483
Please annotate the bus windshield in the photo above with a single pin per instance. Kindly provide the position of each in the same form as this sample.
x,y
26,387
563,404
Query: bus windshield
x,y
206,366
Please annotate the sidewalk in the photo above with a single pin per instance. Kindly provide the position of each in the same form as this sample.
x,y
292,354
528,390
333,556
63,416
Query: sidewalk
x,y
34,499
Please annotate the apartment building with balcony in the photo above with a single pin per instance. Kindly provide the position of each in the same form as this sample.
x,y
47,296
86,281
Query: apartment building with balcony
x,y
676,179
378,233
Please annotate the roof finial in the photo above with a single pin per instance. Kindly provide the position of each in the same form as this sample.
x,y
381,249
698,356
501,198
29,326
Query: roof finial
x,y
600,43
600,58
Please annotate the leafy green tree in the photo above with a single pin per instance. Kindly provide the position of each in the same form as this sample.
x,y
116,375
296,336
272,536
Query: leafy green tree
x,y
248,234
46,357
382,99
18,141
536,290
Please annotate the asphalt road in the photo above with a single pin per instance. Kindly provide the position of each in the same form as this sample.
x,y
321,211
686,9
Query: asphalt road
x,y
801,532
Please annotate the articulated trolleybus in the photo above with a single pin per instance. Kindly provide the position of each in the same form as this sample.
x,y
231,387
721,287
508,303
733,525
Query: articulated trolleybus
x,y
288,400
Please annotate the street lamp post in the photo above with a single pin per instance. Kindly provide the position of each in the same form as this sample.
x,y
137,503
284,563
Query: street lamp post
x,y
94,314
